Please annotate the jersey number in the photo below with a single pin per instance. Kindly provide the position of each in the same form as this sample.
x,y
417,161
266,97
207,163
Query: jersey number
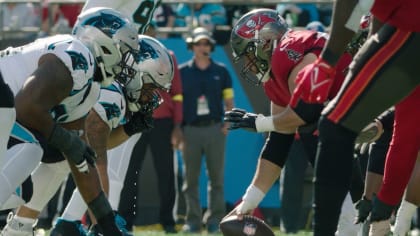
x,y
144,13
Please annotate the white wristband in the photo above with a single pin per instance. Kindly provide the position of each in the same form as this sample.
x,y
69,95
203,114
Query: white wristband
x,y
264,123
253,196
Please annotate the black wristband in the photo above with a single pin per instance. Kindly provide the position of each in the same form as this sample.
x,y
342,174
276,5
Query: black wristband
x,y
60,138
100,206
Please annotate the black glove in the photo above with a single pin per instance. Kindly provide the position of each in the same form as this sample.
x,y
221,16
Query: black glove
x,y
380,210
239,118
139,122
73,147
364,207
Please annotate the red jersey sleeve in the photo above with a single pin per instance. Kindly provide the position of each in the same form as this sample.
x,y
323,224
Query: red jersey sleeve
x,y
288,53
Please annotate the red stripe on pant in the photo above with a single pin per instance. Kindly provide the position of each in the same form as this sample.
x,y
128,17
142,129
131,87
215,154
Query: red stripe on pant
x,y
366,74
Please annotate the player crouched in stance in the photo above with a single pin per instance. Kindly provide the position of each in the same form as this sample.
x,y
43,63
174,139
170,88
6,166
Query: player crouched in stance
x,y
54,91
124,109
273,55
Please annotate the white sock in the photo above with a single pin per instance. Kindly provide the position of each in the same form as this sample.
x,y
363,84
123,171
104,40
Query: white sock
x,y
380,228
18,226
25,220
404,216
346,226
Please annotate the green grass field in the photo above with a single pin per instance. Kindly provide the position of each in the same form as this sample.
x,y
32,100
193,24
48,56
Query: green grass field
x,y
153,231
156,233
156,230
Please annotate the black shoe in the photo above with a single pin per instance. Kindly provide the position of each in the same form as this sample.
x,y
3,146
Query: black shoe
x,y
95,231
65,227
170,229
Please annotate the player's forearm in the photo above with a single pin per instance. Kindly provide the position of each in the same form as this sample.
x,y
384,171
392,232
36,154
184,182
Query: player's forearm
x,y
266,174
340,35
117,137
287,121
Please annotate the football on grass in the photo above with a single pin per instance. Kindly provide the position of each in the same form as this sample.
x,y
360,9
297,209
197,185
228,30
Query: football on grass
x,y
248,226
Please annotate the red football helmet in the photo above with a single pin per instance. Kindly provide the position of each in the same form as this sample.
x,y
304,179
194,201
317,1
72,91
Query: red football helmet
x,y
253,38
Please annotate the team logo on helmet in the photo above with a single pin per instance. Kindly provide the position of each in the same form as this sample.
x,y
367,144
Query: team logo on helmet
x,y
107,23
146,52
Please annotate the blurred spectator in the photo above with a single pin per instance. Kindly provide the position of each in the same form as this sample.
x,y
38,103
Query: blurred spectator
x,y
203,15
299,14
162,140
234,12
19,15
207,94
62,16
164,16
316,26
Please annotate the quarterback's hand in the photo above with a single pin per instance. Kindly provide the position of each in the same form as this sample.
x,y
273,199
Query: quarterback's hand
x,y
363,207
73,147
239,118
139,122
313,83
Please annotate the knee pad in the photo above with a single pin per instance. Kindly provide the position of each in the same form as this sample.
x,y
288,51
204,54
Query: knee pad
x,y
46,179
22,195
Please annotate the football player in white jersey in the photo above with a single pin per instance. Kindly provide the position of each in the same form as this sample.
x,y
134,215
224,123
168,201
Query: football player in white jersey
x,y
54,81
140,12
8,115
106,127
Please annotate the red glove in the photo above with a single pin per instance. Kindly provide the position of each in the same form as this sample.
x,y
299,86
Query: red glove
x,y
313,83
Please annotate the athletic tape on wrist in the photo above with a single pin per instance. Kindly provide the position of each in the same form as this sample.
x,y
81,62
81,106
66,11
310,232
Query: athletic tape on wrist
x,y
253,195
264,123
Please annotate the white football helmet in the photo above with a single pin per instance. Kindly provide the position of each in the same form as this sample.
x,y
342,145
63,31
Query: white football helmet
x,y
111,38
155,66
254,36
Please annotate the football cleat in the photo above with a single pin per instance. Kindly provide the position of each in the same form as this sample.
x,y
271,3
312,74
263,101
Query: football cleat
x,y
68,228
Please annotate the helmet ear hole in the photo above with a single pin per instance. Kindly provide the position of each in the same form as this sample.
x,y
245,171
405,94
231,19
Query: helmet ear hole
x,y
105,50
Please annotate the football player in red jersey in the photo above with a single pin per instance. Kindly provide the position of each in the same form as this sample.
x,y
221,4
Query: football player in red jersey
x,y
382,74
273,54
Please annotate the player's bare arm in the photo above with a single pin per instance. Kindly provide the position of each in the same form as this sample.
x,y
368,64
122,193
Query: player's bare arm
x,y
117,137
97,132
47,87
